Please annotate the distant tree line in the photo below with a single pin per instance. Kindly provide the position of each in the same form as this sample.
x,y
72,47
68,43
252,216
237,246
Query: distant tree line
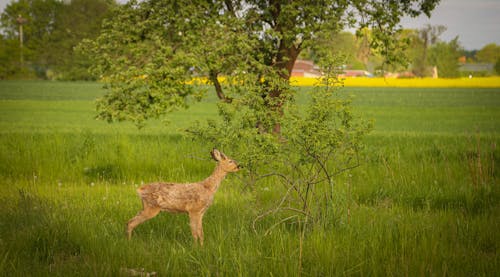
x,y
425,50
51,29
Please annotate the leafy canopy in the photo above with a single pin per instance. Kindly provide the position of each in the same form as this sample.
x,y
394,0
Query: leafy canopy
x,y
149,52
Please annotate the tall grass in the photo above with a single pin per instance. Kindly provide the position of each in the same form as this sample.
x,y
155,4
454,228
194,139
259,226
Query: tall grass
x,y
426,200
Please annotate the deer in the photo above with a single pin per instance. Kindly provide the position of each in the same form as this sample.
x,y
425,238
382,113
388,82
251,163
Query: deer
x,y
191,198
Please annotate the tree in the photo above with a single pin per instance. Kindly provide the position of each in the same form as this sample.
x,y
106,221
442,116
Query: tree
x,y
422,40
8,60
444,55
490,53
39,17
150,50
341,43
354,49
51,31
77,20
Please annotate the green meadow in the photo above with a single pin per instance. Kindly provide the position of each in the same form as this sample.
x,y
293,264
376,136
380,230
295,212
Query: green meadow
x,y
424,202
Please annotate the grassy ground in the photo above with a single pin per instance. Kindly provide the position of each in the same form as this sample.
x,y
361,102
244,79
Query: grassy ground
x,y
426,200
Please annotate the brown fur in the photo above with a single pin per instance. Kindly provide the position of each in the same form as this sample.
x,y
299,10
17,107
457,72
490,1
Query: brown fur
x,y
192,198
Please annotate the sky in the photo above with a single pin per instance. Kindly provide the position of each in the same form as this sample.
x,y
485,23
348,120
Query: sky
x,y
476,23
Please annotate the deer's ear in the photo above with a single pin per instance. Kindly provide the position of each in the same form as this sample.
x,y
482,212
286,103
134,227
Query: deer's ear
x,y
217,155
223,156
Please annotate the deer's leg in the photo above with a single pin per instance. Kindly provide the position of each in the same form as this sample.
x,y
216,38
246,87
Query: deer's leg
x,y
195,223
200,229
145,214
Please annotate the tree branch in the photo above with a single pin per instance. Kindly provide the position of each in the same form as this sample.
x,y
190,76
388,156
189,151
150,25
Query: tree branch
x,y
230,7
212,75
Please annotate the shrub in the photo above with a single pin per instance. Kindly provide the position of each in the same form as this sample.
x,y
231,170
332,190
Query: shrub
x,y
316,143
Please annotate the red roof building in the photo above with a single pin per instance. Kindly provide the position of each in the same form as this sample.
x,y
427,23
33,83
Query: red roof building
x,y
304,68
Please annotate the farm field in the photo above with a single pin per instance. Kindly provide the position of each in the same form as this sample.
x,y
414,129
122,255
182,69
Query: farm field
x,y
475,82
425,200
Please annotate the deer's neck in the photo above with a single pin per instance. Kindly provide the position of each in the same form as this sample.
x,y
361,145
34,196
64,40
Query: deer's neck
x,y
213,181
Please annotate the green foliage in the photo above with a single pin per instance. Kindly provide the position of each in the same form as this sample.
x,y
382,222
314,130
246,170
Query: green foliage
x,y
355,49
148,50
488,54
316,142
421,42
149,53
10,60
429,51
50,32
445,57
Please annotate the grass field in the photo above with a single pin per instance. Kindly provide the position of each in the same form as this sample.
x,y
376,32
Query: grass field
x,y
425,201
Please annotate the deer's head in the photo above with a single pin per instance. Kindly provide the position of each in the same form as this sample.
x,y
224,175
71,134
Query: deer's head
x,y
227,164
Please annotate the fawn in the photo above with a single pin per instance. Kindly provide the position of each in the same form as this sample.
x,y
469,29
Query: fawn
x,y
192,198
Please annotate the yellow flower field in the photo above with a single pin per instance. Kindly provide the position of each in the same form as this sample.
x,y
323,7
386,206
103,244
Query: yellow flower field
x,y
479,82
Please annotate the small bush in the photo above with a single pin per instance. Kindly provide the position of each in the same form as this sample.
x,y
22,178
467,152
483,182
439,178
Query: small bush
x,y
314,145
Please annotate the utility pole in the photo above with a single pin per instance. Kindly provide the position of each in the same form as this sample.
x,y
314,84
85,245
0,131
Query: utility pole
x,y
20,20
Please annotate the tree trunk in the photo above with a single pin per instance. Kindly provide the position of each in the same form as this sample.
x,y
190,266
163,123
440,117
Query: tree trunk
x,y
285,60
218,88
